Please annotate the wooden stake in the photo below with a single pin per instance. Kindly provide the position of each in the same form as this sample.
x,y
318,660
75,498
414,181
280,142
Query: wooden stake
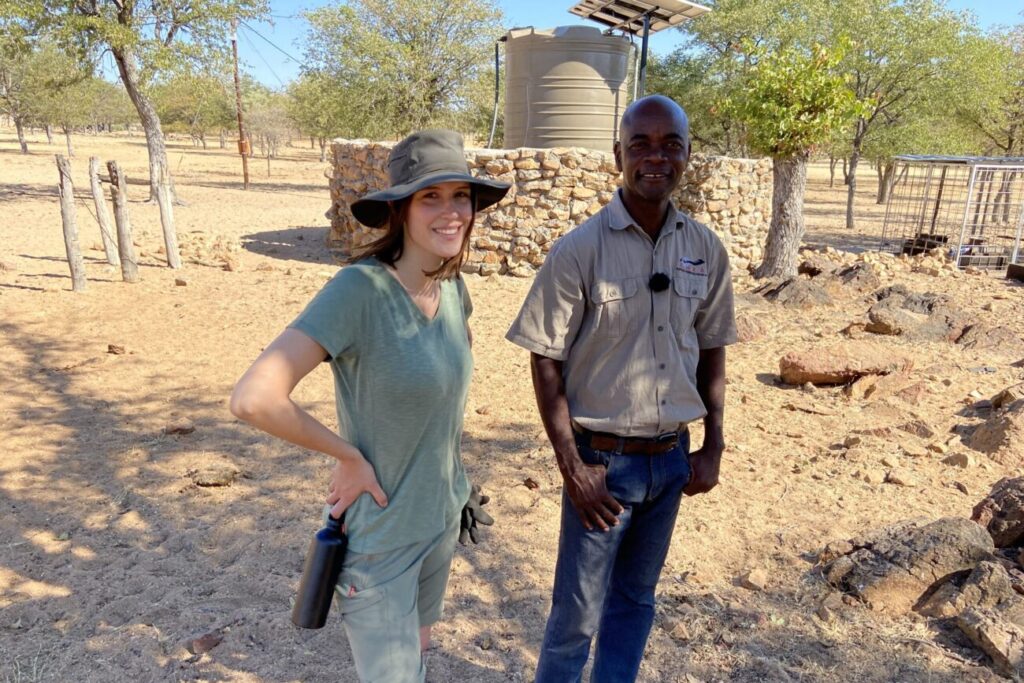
x,y
163,198
119,195
102,215
66,189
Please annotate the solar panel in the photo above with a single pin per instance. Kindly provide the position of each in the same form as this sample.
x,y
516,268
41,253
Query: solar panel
x,y
628,15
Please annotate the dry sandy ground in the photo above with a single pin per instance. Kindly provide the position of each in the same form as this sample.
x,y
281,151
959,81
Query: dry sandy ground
x,y
111,558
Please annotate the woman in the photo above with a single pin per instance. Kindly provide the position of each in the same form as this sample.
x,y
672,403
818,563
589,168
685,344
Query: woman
x,y
393,326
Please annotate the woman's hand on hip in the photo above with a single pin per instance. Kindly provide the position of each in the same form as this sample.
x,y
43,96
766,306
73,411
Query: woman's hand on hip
x,y
351,477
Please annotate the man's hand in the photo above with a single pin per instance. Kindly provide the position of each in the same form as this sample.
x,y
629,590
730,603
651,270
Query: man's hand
x,y
472,513
585,486
705,463
350,478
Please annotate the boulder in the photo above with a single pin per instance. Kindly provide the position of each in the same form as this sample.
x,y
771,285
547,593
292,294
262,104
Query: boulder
x,y
795,293
920,316
997,637
1002,512
841,363
998,339
988,586
893,568
1002,434
859,277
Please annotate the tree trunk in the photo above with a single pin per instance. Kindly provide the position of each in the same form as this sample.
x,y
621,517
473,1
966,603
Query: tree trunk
x,y
128,68
787,227
846,171
311,144
885,178
832,161
19,125
67,139
223,142
323,150
49,134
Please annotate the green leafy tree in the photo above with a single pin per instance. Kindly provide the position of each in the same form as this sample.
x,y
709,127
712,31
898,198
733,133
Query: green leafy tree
x,y
905,49
196,104
793,99
145,37
319,106
409,62
990,99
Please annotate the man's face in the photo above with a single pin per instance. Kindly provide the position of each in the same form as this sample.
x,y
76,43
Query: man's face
x,y
652,152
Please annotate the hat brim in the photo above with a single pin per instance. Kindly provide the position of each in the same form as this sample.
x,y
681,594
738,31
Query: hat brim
x,y
372,210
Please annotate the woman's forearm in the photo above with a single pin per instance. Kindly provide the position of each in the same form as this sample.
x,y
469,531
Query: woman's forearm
x,y
282,418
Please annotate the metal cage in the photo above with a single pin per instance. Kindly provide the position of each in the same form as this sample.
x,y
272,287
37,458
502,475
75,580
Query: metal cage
x,y
971,207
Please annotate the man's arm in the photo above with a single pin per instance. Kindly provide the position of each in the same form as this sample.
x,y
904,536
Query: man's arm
x,y
584,484
711,386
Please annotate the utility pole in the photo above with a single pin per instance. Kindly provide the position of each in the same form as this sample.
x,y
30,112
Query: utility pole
x,y
243,142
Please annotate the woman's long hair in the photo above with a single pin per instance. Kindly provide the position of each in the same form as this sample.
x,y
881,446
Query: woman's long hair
x,y
388,249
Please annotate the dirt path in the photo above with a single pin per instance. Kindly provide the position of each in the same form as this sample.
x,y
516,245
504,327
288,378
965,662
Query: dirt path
x,y
111,558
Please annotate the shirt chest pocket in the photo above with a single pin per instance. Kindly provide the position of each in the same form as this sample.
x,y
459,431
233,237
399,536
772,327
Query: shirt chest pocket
x,y
688,294
616,307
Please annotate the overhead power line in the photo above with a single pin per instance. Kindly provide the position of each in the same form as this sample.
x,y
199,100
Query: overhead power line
x,y
246,25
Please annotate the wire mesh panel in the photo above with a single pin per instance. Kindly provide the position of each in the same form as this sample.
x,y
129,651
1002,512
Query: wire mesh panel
x,y
990,237
972,210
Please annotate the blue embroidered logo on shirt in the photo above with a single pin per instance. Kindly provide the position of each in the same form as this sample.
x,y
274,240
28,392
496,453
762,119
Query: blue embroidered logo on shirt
x,y
693,266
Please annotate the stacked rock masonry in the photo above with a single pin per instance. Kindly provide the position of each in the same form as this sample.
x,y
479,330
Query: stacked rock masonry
x,y
554,190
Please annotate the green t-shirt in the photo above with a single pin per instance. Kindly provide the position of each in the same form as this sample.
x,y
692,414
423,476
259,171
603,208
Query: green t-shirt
x,y
401,382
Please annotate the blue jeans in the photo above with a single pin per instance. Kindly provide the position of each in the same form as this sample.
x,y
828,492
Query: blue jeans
x,y
605,580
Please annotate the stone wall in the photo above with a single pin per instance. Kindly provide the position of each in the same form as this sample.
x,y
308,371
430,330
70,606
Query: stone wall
x,y
554,190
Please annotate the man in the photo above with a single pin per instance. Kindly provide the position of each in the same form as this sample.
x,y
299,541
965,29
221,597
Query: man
x,y
626,324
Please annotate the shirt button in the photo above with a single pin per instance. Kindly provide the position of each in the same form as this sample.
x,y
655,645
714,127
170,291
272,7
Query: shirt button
x,y
662,401
661,328
662,366
693,292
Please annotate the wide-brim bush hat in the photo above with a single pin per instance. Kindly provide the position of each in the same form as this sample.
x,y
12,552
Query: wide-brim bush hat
x,y
423,159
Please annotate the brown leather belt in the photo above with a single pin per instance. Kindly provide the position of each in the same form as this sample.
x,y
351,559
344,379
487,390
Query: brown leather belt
x,y
629,445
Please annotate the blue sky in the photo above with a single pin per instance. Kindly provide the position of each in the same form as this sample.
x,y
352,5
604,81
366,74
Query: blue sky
x,y
271,67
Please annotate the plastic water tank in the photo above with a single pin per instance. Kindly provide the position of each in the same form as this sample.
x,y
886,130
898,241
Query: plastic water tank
x,y
564,87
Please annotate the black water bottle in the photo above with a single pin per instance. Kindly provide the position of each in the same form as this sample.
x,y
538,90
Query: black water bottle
x,y
323,565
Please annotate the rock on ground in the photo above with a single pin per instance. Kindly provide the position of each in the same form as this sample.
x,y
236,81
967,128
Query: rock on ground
x,y
1002,512
842,363
1000,639
988,586
1002,435
894,568
795,293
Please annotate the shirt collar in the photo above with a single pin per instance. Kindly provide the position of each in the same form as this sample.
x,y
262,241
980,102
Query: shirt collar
x,y
619,218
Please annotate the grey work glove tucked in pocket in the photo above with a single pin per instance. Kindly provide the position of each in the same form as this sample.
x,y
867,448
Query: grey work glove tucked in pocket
x,y
472,514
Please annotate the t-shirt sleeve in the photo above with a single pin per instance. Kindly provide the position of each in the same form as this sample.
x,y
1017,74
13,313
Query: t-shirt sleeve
x,y
467,301
335,318
715,322
551,315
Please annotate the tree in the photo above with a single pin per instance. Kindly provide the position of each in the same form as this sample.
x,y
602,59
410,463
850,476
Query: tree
x,y
792,100
905,49
144,37
991,99
195,103
20,76
409,62
319,106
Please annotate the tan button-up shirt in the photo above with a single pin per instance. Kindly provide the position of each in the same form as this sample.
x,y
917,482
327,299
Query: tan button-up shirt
x,y
630,354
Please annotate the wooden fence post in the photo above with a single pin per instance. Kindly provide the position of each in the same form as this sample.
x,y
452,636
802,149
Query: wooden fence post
x,y
66,189
163,198
109,246
119,195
